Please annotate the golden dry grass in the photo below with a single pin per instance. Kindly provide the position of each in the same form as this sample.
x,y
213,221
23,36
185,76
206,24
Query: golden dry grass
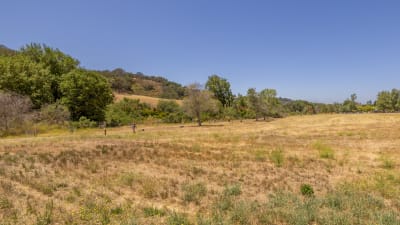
x,y
92,179
152,101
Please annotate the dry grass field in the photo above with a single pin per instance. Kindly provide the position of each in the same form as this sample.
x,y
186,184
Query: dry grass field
x,y
152,101
322,169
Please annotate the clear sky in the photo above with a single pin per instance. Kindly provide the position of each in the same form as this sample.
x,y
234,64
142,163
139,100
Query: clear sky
x,y
318,50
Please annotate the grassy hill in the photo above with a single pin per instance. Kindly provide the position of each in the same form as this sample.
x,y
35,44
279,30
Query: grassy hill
x,y
140,84
152,101
321,169
5,51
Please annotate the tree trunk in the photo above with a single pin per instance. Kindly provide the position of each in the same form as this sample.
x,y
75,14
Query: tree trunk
x,y
198,118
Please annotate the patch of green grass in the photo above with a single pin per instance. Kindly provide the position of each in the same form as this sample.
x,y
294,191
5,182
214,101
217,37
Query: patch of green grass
x,y
46,217
277,157
127,179
153,211
324,150
233,190
178,219
5,203
260,155
306,190
387,163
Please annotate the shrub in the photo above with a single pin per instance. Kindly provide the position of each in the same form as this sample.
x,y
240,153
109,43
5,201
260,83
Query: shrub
x,y
54,113
84,122
126,110
387,163
306,190
277,157
194,192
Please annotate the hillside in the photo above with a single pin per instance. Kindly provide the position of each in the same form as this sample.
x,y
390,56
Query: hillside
x,y
131,83
5,51
141,84
152,101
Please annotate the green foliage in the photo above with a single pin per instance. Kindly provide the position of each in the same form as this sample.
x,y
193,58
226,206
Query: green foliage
x,y
21,75
270,105
221,89
242,107
306,190
85,94
127,111
388,101
170,111
264,103
84,122
54,61
198,103
300,107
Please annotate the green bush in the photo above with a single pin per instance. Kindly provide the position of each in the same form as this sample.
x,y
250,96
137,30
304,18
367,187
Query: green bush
x,y
84,122
306,190
127,111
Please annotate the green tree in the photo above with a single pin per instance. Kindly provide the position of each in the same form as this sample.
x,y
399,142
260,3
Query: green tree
x,y
57,62
198,102
127,111
221,89
253,99
242,108
269,103
21,75
384,102
350,104
86,94
170,111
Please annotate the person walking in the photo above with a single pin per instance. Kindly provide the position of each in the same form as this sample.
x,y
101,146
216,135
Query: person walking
x,y
134,127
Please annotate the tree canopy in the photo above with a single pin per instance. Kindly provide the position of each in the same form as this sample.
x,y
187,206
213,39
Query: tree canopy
x,y
198,102
86,93
221,89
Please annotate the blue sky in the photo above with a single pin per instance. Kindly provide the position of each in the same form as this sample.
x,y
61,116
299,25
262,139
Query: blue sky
x,y
317,50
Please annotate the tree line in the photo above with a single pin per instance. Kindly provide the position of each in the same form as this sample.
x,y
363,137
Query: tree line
x,y
42,85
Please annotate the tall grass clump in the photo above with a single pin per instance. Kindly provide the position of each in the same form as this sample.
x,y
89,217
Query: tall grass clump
x,y
324,150
194,192
387,163
277,157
